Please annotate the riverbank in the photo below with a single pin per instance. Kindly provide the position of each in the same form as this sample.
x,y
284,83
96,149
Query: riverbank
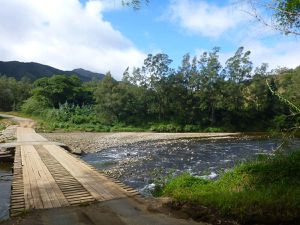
x,y
263,191
93,142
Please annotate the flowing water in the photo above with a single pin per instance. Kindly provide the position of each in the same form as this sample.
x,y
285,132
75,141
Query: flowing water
x,y
138,165
5,187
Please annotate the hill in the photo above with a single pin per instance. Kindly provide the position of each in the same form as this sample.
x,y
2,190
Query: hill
x,y
35,71
88,74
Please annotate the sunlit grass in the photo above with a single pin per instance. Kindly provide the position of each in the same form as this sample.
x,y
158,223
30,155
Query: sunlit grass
x,y
265,190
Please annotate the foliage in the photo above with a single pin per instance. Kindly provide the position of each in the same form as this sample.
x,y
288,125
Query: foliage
x,y
2,127
166,128
35,106
13,93
4,123
59,89
288,15
265,190
200,95
282,15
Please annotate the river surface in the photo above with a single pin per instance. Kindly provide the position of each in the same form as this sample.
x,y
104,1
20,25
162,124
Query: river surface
x,y
139,165
5,187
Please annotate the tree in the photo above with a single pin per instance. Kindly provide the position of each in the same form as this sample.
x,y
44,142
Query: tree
x,y
282,15
13,93
155,70
210,80
58,89
104,95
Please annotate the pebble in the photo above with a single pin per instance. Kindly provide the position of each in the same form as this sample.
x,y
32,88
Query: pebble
x,y
94,142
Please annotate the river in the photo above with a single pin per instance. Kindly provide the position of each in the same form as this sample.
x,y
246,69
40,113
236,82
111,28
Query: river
x,y
5,187
139,165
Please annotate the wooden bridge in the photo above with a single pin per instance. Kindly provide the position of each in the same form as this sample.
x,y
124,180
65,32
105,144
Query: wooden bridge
x,y
47,176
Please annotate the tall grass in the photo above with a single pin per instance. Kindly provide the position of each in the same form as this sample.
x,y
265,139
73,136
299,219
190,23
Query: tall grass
x,y
266,190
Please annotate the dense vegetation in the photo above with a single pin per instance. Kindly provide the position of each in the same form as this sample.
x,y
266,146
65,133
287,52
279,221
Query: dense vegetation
x,y
265,191
199,95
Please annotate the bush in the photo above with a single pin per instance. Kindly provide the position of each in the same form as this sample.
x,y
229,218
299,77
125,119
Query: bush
x,y
166,128
213,129
36,107
192,128
125,128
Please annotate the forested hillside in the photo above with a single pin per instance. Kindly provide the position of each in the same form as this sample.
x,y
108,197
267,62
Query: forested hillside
x,y
200,95
33,71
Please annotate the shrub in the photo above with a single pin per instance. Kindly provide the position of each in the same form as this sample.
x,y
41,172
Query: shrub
x,y
192,128
36,107
166,128
213,129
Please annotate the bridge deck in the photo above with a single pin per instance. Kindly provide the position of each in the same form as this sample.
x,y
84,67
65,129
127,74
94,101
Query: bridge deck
x,y
47,176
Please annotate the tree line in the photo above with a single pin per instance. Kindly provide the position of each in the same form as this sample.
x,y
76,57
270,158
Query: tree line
x,y
199,94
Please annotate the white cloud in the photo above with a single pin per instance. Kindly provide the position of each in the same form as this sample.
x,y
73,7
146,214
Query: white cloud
x,y
281,54
205,18
64,34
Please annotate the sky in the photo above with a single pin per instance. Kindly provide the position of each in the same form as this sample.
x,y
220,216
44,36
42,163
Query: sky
x,y
103,35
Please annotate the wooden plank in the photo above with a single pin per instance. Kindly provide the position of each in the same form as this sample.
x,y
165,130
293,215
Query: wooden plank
x,y
64,184
27,190
74,198
78,172
36,195
94,182
46,184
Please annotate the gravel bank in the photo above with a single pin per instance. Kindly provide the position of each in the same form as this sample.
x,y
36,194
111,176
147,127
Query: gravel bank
x,y
9,134
93,142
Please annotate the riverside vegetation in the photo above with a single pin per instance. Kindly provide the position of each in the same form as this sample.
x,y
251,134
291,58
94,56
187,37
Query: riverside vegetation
x,y
263,191
200,95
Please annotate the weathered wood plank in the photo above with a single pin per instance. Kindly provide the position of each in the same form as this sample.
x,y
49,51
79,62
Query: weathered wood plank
x,y
47,176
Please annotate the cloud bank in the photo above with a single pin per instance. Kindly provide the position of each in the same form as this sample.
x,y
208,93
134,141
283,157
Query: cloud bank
x,y
64,34
204,18
230,23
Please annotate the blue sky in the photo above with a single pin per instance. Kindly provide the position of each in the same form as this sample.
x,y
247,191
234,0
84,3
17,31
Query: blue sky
x,y
102,35
152,30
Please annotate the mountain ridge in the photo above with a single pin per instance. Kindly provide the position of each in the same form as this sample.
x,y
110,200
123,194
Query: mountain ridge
x,y
34,71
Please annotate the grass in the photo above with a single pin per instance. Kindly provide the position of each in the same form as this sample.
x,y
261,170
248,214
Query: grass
x,y
4,123
2,127
49,126
263,191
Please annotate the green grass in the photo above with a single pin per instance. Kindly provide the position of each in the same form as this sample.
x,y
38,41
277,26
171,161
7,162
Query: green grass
x,y
2,123
171,127
2,127
263,191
